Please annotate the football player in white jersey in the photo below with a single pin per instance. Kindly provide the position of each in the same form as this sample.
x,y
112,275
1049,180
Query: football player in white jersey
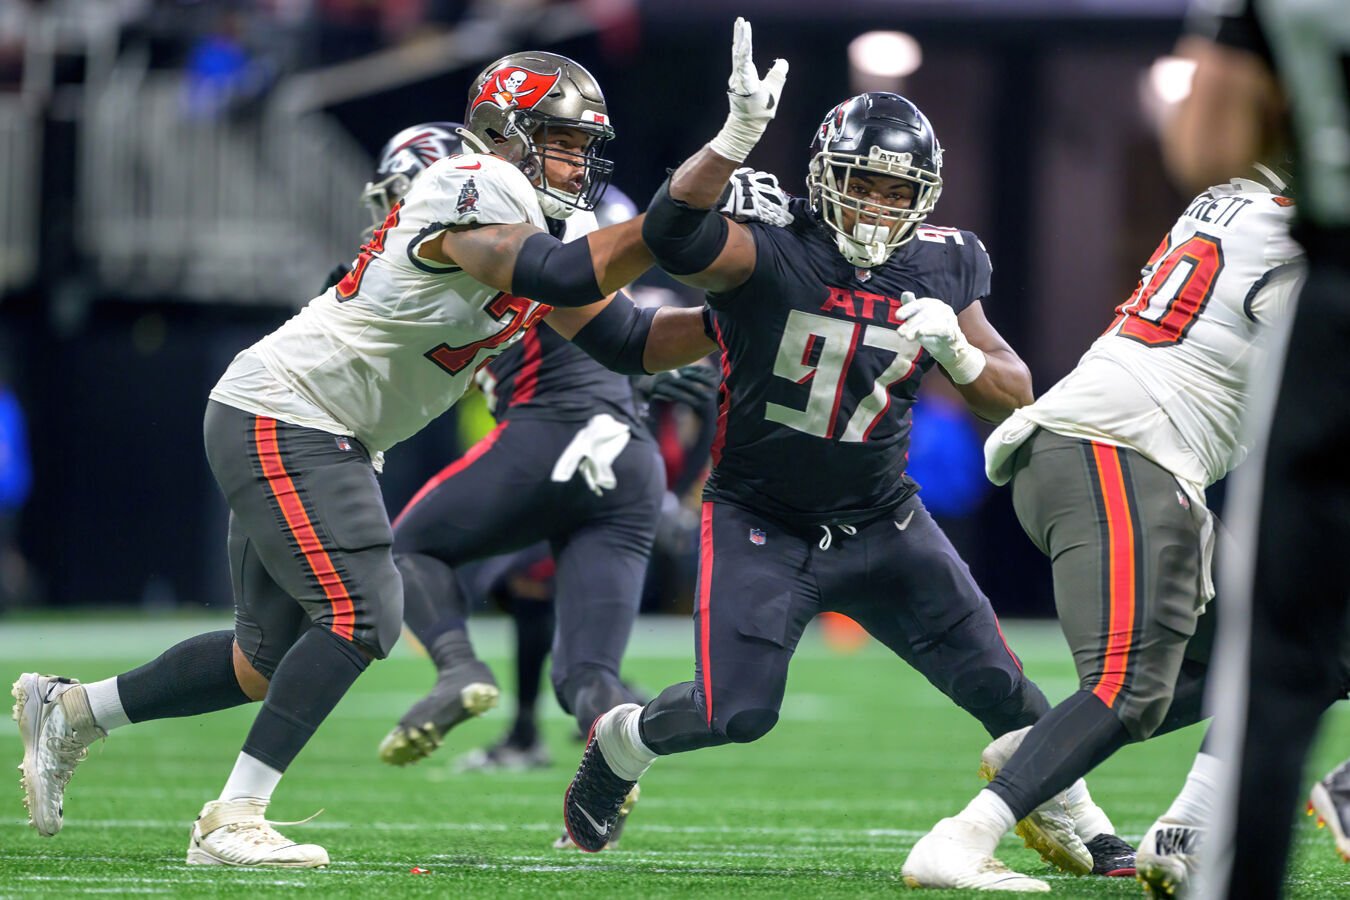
x,y
1108,470
296,428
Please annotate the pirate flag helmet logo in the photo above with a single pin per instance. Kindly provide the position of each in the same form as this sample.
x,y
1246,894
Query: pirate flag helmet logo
x,y
516,100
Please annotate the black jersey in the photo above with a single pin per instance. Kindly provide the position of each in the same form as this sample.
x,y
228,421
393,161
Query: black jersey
x,y
545,377
814,417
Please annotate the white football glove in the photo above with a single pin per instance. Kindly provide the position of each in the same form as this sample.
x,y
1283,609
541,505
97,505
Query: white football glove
x,y
753,101
934,325
754,196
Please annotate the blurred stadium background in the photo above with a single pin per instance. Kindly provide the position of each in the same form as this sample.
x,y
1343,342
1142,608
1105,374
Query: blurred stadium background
x,y
176,178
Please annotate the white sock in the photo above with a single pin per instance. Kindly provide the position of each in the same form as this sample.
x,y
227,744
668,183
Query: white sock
x,y
992,815
250,778
106,704
1089,820
1195,804
621,742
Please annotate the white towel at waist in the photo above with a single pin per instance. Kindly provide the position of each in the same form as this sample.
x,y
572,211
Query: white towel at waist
x,y
593,452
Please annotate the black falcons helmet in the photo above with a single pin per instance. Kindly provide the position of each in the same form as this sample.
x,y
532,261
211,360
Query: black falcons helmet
x,y
877,133
517,98
403,157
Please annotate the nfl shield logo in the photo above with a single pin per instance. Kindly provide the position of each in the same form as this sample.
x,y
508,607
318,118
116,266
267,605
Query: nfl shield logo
x,y
757,536
343,443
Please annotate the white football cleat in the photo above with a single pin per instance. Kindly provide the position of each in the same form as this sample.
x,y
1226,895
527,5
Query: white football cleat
x,y
950,856
57,727
1168,858
1050,829
235,833
1330,803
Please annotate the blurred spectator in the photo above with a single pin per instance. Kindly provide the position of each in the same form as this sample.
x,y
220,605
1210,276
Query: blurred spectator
x,y
16,479
221,71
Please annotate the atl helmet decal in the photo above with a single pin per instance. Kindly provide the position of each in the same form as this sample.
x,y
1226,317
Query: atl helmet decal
x,y
512,87
890,156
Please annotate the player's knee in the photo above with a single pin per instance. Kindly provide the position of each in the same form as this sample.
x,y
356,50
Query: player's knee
x,y
750,724
1141,716
386,616
984,688
251,681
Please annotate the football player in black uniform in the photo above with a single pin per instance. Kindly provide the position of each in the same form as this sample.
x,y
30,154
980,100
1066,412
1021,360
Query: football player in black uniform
x,y
571,463
1273,75
826,327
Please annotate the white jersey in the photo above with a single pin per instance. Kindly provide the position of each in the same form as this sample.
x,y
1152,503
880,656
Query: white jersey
x,y
397,342
1172,375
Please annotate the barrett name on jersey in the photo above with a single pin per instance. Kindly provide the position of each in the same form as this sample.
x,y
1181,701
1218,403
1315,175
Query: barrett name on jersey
x,y
1172,375
822,382
398,340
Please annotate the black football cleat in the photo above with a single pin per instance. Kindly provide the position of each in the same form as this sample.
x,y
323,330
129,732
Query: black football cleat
x,y
594,799
461,692
1111,856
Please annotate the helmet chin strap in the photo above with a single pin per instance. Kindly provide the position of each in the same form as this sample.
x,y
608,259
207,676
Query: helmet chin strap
x,y
473,141
552,205
867,245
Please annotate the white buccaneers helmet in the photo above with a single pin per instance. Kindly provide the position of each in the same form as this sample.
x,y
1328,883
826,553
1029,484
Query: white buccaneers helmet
x,y
517,98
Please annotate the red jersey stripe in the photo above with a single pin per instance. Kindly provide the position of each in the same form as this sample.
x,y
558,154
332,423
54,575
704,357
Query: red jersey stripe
x,y
527,381
450,471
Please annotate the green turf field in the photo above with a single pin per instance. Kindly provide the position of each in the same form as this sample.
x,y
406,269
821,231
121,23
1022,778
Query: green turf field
x,y
867,756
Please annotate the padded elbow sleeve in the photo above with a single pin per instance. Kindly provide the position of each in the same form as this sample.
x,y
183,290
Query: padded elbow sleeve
x,y
617,337
549,271
683,239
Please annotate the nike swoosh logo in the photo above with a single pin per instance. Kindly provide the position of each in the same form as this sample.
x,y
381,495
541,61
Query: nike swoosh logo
x,y
476,165
603,829
901,526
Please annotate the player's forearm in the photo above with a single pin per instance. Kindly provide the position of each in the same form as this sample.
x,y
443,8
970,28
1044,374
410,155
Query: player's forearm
x,y
676,339
1003,386
701,179
618,254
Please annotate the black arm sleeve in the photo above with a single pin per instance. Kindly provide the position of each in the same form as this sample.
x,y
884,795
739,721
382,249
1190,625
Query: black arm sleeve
x,y
683,238
617,337
549,271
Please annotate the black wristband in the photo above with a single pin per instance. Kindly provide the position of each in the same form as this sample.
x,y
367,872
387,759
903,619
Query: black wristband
x,y
683,238
617,337
549,271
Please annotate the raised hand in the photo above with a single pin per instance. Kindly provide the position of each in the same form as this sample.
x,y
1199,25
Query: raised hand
x,y
753,100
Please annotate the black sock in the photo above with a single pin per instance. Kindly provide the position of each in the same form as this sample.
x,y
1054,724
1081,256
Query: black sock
x,y
191,678
432,602
534,640
1070,741
451,648
313,676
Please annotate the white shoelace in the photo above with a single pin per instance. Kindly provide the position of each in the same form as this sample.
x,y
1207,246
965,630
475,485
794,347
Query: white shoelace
x,y
260,832
828,540
68,752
